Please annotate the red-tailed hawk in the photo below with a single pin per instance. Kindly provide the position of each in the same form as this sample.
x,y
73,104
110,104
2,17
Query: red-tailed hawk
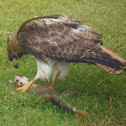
x,y
56,41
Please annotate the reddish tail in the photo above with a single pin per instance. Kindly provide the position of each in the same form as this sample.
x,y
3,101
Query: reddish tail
x,y
118,67
113,69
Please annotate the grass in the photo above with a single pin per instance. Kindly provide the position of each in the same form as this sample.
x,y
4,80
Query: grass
x,y
101,94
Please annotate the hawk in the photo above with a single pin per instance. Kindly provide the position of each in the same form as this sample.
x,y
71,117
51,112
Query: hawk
x,y
55,41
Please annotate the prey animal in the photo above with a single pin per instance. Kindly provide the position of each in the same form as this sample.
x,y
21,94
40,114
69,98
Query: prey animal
x,y
55,41
49,93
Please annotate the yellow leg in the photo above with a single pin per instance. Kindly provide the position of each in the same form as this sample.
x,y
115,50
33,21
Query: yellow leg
x,y
26,86
54,81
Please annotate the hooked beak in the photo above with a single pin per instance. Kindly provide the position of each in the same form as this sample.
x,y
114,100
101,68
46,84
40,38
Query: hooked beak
x,y
15,66
15,62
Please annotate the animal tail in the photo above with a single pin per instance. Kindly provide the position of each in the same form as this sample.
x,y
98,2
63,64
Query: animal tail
x,y
106,59
63,104
80,112
50,95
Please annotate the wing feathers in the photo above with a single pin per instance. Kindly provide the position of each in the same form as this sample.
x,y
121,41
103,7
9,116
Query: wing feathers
x,y
47,21
58,37
64,39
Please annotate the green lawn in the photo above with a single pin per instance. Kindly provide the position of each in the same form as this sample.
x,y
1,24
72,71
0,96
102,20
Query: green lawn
x,y
101,94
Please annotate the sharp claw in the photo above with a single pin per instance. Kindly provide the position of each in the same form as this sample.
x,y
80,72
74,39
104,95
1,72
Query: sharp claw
x,y
26,86
20,88
23,88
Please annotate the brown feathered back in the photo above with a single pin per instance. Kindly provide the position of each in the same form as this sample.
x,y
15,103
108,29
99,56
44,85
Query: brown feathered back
x,y
60,38
65,39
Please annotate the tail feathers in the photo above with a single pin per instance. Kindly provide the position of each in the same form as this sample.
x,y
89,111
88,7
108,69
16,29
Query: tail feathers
x,y
106,59
115,56
117,68
109,69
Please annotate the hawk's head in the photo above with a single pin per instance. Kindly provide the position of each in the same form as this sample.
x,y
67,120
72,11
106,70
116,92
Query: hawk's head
x,y
14,50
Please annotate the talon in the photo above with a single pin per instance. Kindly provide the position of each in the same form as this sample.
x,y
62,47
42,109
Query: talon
x,y
23,88
26,86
